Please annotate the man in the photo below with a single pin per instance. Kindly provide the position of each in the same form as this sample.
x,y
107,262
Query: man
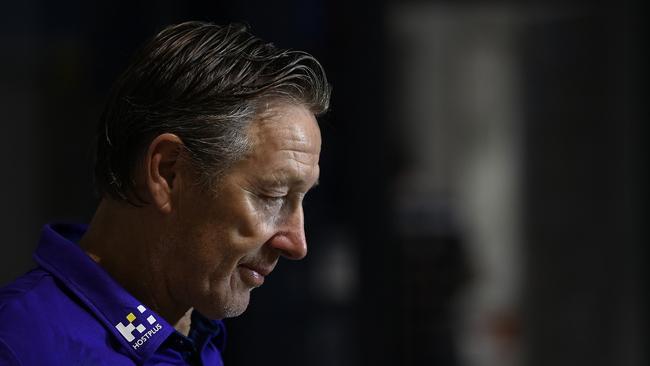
x,y
206,148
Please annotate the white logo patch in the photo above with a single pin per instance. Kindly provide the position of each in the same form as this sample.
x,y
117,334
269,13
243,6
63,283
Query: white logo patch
x,y
127,330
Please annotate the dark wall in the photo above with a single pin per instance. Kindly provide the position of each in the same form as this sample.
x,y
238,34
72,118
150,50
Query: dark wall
x,y
585,188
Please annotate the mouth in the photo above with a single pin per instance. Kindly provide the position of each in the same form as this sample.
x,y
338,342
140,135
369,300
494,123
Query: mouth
x,y
253,274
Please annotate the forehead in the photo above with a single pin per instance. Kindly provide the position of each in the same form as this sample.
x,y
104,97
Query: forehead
x,y
285,140
286,126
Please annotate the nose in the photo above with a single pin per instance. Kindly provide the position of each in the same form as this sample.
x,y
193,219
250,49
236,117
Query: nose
x,y
290,239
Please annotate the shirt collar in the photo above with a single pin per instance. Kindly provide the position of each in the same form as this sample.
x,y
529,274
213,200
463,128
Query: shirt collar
x,y
204,331
138,329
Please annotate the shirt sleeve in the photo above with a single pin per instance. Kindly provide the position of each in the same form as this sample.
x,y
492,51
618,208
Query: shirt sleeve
x,y
7,356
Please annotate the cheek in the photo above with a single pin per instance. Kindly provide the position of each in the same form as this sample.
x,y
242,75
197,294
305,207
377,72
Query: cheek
x,y
252,219
220,232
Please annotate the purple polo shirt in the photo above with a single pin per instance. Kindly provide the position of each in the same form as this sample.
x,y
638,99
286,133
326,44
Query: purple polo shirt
x,y
69,311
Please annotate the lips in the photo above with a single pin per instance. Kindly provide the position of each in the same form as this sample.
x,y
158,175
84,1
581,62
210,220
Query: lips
x,y
253,274
262,270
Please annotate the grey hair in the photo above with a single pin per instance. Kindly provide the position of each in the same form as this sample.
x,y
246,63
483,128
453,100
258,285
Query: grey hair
x,y
204,83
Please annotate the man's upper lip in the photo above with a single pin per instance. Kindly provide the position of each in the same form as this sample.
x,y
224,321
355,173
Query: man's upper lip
x,y
264,270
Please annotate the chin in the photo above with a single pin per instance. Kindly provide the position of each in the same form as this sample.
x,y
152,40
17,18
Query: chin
x,y
233,305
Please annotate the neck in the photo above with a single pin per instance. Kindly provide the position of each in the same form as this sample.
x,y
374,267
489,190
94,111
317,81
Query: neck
x,y
134,257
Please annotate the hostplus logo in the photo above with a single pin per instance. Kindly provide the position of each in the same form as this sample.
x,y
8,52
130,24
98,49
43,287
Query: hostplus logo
x,y
130,327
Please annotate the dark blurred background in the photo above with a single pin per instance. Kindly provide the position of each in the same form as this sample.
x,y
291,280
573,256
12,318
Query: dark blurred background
x,y
483,180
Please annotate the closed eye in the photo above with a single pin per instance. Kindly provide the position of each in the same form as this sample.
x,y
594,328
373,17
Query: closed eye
x,y
273,198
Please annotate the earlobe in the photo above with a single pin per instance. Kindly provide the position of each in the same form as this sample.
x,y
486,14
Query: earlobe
x,y
162,167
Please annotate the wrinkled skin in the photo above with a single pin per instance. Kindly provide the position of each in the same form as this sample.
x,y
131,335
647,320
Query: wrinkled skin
x,y
221,244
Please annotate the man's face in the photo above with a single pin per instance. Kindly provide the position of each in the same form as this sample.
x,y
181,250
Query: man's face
x,y
225,242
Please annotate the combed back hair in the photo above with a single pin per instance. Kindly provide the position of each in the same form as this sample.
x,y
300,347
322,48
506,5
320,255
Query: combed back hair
x,y
204,83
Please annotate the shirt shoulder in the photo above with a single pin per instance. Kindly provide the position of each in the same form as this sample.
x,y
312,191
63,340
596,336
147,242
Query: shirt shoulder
x,y
7,356
21,296
24,308
41,322
22,284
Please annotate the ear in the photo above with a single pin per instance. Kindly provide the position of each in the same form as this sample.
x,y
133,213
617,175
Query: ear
x,y
162,167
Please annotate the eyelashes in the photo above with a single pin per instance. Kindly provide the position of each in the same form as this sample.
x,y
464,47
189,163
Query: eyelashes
x,y
272,203
286,202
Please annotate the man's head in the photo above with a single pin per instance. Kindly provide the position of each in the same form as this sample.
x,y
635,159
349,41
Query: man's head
x,y
204,83
212,132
